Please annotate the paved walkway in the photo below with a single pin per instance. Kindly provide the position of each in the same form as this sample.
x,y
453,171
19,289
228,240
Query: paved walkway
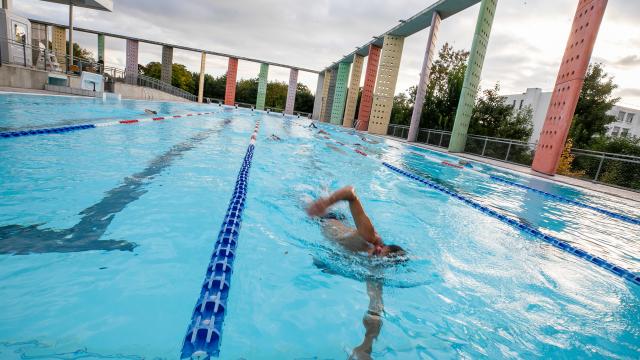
x,y
584,184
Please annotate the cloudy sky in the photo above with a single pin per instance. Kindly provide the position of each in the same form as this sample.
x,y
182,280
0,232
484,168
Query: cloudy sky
x,y
525,49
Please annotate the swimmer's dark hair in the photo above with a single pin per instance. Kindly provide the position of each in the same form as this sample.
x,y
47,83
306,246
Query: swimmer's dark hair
x,y
396,251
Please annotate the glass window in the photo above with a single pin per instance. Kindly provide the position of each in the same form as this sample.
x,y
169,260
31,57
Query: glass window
x,y
616,130
630,118
624,132
20,32
521,102
621,115
514,103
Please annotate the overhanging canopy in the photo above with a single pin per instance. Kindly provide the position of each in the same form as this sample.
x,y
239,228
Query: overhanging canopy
x,y
102,5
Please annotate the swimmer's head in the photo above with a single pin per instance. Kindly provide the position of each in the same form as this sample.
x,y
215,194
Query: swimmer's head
x,y
389,251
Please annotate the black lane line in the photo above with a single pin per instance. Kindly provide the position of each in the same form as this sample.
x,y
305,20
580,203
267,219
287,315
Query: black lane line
x,y
85,235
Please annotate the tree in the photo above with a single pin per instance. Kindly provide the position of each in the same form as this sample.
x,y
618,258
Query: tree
x,y
402,109
492,116
304,99
595,100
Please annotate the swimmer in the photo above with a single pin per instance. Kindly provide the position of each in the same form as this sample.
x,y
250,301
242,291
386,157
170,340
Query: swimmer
x,y
312,125
150,112
363,238
275,137
322,132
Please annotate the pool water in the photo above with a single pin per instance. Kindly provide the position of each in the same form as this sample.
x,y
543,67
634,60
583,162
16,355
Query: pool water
x,y
121,223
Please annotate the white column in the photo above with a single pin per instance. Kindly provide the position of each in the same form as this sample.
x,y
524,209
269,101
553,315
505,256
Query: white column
x,y
414,128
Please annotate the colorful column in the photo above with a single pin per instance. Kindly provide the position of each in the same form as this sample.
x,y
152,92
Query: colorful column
x,y
101,48
472,75
566,92
59,45
203,63
317,101
386,84
325,94
340,93
367,90
352,94
291,91
331,91
131,67
421,92
166,71
262,86
232,74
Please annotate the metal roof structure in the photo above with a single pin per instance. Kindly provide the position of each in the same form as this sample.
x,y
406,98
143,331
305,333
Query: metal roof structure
x,y
412,25
102,5
181,47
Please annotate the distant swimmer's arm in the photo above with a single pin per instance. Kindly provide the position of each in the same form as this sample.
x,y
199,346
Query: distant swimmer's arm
x,y
363,223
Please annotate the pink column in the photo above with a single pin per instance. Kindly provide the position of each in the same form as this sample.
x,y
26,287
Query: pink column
x,y
131,67
367,90
573,69
232,74
291,91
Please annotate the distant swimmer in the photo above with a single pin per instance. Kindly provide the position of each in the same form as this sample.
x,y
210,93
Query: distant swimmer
x,y
150,112
275,137
312,125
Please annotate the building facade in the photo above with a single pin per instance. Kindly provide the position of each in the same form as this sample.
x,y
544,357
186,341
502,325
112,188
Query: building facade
x,y
627,122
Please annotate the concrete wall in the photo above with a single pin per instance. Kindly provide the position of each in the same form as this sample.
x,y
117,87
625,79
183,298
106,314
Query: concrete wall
x,y
142,93
539,103
627,122
20,77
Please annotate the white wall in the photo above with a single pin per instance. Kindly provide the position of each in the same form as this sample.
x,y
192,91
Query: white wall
x,y
626,119
539,103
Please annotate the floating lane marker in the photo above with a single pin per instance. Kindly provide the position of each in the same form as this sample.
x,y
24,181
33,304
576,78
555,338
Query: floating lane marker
x,y
621,272
65,129
204,333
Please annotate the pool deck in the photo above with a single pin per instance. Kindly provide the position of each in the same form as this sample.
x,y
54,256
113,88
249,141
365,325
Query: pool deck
x,y
584,184
32,91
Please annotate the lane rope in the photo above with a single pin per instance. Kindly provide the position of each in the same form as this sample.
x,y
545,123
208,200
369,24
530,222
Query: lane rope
x,y
65,129
204,333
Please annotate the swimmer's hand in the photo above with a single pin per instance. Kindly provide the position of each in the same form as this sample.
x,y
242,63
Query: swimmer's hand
x,y
318,207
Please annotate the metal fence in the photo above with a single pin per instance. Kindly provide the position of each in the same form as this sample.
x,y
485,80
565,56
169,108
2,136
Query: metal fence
x,y
608,168
133,78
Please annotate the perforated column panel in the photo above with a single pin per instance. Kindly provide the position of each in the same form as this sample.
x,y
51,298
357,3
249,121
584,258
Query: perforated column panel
x,y
100,47
566,92
424,77
472,75
367,89
203,64
340,94
325,95
352,93
291,91
166,72
317,101
386,84
330,95
59,45
262,86
232,74
132,61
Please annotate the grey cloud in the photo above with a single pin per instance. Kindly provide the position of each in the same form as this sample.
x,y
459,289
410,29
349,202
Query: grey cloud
x,y
628,61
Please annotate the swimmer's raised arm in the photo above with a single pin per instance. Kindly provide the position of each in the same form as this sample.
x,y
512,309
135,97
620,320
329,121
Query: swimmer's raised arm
x,y
363,223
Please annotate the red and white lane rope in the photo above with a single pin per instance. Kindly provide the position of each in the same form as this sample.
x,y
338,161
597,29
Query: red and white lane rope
x,y
145,120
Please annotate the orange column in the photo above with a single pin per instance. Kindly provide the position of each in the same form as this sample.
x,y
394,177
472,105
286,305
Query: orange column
x,y
232,74
367,90
568,85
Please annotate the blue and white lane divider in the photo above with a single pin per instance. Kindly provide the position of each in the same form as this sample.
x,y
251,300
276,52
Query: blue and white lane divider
x,y
612,214
204,333
621,272
64,129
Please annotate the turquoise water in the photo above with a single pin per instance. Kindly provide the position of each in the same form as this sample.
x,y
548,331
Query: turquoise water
x,y
474,287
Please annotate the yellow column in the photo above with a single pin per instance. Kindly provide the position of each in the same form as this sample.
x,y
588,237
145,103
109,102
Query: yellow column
x,y
354,87
386,84
59,45
325,95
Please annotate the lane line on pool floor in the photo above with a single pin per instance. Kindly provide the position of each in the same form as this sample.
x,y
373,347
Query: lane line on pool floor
x,y
65,129
204,333
613,214
560,244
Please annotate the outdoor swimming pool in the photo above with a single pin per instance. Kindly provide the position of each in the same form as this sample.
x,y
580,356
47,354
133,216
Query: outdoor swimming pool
x,y
106,235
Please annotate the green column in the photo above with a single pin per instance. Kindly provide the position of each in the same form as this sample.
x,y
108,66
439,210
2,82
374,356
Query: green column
x,y
472,75
340,95
100,47
262,86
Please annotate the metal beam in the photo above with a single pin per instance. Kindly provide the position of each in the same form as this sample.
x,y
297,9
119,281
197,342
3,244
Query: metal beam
x,y
187,48
412,25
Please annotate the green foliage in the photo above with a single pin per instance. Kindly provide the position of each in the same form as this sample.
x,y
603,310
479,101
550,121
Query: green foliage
x,y
493,117
443,91
246,89
591,112
614,172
